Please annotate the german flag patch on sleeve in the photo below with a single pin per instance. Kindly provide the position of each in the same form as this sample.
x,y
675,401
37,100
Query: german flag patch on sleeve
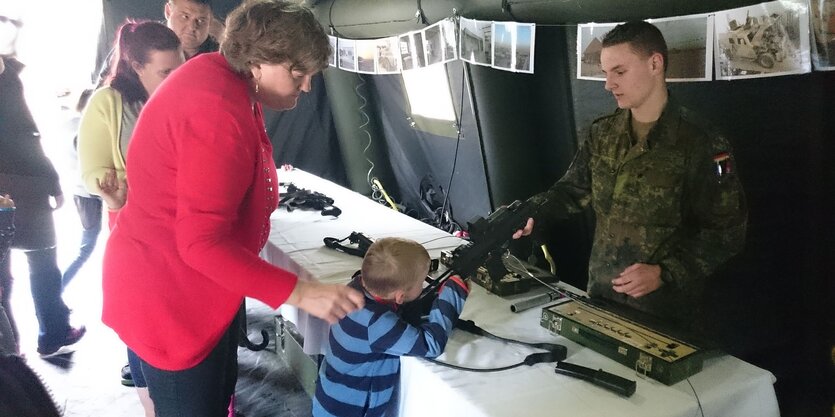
x,y
723,164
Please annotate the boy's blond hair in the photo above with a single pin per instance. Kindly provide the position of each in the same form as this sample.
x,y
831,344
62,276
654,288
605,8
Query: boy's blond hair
x,y
392,264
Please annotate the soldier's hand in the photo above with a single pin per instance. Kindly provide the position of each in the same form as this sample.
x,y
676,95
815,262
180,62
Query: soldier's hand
x,y
524,231
638,280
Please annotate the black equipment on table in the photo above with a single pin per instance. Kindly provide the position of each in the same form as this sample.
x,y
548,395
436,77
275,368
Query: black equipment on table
x,y
301,198
361,241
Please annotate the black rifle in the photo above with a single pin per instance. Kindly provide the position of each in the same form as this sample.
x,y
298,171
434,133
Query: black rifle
x,y
486,235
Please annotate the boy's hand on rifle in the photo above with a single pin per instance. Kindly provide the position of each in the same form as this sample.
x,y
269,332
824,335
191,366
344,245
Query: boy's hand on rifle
x,y
456,280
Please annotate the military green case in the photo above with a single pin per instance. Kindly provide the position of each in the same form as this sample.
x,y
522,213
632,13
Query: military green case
x,y
647,351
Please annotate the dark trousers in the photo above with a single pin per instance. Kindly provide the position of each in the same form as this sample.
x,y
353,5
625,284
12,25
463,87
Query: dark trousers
x,y
202,391
89,211
8,340
45,280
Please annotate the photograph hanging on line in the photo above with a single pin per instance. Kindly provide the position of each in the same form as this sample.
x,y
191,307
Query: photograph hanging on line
x,y
504,37
407,60
419,49
434,44
763,40
476,41
512,46
689,46
589,44
450,43
366,51
524,47
334,52
387,59
823,32
347,54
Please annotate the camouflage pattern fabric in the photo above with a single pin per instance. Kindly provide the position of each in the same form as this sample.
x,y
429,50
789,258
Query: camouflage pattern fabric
x,y
672,200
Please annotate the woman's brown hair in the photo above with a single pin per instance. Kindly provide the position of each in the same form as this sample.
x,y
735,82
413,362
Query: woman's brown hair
x,y
274,32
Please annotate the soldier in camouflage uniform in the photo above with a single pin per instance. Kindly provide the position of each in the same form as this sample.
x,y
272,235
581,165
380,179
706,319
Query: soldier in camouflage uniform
x,y
669,207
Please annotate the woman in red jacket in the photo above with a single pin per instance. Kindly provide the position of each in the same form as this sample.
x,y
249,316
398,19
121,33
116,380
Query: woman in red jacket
x,y
184,250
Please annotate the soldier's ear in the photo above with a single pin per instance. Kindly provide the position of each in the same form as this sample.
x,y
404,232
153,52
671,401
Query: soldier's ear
x,y
657,62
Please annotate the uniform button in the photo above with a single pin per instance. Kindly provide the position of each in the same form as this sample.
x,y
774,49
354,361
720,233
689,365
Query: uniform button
x,y
611,235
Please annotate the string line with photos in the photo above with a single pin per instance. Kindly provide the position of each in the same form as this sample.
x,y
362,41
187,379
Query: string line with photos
x,y
768,39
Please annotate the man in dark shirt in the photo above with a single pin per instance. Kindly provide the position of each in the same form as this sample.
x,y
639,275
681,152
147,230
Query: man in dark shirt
x,y
192,20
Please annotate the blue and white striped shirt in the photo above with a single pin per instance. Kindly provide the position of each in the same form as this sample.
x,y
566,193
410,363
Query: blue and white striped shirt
x,y
361,370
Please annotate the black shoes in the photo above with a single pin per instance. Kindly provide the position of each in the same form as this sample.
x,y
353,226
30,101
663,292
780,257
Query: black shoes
x,y
127,377
73,336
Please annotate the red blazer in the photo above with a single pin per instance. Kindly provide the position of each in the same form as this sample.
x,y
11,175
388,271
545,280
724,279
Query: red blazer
x,y
201,186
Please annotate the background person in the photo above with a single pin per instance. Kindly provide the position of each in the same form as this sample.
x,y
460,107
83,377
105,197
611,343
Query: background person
x,y
8,340
27,175
201,188
88,206
194,24
147,53
669,206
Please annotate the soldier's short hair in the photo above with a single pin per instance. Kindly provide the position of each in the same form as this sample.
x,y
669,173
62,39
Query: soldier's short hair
x,y
392,264
644,38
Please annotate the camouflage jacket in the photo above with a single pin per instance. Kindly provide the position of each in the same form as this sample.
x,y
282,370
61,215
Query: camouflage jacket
x,y
673,201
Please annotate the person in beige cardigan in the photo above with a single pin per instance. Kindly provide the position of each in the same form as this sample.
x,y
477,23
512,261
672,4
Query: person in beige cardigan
x,y
146,53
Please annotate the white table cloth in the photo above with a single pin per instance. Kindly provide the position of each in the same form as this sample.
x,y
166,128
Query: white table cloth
x,y
726,387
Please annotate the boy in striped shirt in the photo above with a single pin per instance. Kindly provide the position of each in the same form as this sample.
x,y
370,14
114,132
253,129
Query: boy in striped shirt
x,y
360,374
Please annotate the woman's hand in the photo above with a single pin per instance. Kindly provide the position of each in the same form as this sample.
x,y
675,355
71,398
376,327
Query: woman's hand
x,y
329,302
113,191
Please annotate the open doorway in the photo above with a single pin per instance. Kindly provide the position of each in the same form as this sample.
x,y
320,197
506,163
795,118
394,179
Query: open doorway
x,y
57,43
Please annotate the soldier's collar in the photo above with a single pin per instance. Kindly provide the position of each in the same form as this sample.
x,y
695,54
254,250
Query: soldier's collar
x,y
660,133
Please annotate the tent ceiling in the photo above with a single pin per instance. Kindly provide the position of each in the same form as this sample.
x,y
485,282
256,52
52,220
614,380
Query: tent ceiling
x,y
368,19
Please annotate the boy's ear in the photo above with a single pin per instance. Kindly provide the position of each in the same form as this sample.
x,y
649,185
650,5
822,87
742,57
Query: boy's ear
x,y
399,296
